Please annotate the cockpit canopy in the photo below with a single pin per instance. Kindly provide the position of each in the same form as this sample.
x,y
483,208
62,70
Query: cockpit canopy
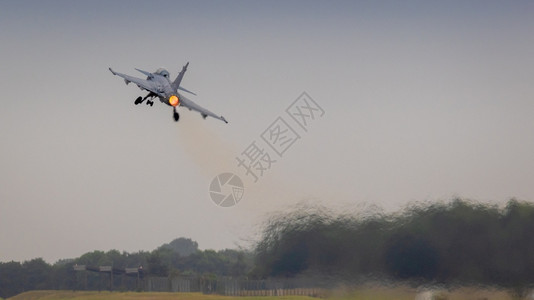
x,y
162,72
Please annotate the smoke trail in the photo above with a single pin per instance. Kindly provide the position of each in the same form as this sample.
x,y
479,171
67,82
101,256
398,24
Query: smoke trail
x,y
206,147
214,153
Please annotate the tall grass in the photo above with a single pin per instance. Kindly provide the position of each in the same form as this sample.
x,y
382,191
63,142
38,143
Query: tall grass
x,y
83,295
362,293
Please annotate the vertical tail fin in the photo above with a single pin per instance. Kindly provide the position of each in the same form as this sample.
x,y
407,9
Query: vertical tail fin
x,y
178,80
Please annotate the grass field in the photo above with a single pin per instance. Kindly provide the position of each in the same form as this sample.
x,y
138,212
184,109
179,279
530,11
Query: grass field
x,y
82,295
367,293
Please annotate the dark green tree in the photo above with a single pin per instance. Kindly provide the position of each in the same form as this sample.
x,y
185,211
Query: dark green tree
x,y
12,279
38,274
183,246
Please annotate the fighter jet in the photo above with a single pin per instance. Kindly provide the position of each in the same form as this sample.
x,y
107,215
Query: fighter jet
x,y
159,85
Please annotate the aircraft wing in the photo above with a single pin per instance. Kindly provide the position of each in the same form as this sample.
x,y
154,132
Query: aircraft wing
x,y
204,112
141,83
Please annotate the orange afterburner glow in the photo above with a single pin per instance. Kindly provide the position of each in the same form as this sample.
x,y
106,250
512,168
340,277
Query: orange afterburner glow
x,y
173,100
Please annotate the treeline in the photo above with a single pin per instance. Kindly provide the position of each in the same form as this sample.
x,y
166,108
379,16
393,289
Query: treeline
x,y
180,257
457,242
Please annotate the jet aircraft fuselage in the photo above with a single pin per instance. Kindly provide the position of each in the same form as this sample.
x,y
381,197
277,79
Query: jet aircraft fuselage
x,y
159,85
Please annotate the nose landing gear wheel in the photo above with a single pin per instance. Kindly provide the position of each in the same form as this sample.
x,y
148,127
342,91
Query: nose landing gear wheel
x,y
176,116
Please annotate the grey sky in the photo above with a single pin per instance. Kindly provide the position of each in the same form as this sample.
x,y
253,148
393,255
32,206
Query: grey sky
x,y
423,100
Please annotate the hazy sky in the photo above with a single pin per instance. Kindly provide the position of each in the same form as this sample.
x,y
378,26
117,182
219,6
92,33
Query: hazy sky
x,y
423,101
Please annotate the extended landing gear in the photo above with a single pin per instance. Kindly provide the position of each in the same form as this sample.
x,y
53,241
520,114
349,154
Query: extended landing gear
x,y
140,100
175,115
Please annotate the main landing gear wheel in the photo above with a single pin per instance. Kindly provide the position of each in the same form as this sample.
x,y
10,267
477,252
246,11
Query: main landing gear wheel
x,y
138,100
149,102
175,115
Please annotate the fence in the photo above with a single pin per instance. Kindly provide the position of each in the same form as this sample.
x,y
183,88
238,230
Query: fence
x,y
234,287
104,277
